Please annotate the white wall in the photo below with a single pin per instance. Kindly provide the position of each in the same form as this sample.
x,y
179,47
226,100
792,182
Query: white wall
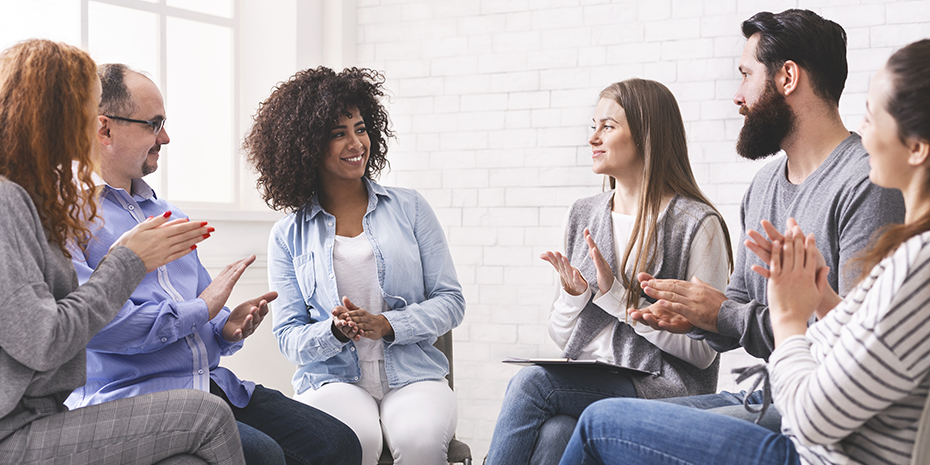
x,y
492,100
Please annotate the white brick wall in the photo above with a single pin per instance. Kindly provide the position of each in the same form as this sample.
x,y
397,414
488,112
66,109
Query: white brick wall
x,y
492,99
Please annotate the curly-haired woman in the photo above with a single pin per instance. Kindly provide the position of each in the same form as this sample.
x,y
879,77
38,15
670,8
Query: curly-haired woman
x,y
364,276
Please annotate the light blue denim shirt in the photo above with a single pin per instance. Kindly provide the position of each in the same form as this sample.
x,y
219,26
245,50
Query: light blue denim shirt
x,y
415,272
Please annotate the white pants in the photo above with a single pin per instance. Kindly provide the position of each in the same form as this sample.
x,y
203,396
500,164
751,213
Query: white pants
x,y
417,421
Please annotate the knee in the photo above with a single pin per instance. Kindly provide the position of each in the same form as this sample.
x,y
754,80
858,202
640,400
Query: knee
x,y
413,447
529,381
210,412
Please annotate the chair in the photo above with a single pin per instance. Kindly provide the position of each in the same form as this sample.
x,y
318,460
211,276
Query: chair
x,y
459,452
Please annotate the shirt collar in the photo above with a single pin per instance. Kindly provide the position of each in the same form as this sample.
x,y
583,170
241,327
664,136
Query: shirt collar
x,y
139,188
374,189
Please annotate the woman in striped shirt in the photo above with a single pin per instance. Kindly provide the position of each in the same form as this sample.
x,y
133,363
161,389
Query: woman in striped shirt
x,y
851,388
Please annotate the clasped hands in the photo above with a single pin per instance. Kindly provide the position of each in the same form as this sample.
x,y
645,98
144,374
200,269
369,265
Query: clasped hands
x,y
354,323
682,305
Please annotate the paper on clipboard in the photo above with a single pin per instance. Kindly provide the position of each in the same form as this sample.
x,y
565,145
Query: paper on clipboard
x,y
580,363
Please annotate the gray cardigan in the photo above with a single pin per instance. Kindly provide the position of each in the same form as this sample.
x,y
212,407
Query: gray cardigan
x,y
676,227
47,318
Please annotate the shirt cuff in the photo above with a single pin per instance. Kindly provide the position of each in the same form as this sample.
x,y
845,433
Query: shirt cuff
x,y
575,301
614,301
729,319
191,315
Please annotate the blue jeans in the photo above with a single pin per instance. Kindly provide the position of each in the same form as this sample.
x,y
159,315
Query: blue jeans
x,y
553,438
278,428
536,394
556,431
731,405
623,431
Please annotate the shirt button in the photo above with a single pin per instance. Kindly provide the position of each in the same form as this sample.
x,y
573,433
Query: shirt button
x,y
356,378
164,339
199,372
352,349
131,207
330,223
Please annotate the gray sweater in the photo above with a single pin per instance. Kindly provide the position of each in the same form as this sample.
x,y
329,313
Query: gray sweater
x,y
837,203
675,228
47,318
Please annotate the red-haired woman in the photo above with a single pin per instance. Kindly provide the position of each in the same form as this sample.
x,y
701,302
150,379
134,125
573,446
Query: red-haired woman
x,y
49,94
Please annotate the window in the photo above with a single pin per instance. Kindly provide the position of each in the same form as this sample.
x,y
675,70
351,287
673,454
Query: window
x,y
189,48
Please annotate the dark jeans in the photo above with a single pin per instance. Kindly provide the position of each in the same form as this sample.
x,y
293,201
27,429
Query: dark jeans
x,y
274,428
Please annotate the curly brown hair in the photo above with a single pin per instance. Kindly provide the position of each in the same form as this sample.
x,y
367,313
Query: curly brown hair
x,y
47,117
290,132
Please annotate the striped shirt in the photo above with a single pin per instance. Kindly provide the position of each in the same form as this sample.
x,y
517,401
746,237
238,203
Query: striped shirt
x,y
851,390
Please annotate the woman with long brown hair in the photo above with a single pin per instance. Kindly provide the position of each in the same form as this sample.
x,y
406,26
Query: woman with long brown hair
x,y
654,219
851,388
49,94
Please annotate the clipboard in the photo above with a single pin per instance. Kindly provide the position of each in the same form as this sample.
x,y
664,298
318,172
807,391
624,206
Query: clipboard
x,y
599,364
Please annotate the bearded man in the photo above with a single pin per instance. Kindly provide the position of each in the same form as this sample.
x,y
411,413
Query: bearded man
x,y
793,71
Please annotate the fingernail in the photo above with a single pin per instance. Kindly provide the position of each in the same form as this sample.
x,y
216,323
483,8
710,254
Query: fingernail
x,y
193,247
210,230
203,223
167,214
206,236
150,217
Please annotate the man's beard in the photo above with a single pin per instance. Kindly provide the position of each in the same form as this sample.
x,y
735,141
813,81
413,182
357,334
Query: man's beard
x,y
148,168
767,124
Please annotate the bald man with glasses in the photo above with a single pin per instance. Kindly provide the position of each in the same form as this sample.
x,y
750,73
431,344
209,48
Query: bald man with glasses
x,y
175,326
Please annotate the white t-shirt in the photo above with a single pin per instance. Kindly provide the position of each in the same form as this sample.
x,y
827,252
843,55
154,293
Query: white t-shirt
x,y
357,278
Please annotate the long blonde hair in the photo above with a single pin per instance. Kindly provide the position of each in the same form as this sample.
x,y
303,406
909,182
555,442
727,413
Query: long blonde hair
x,y
658,131
46,123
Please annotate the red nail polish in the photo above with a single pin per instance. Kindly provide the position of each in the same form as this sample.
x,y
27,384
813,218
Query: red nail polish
x,y
167,214
205,236
203,223
210,230
193,247
150,217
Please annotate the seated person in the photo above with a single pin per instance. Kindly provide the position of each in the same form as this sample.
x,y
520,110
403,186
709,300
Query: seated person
x,y
172,331
794,70
851,387
50,93
365,279
654,219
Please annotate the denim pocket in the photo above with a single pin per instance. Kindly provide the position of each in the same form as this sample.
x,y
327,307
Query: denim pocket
x,y
306,275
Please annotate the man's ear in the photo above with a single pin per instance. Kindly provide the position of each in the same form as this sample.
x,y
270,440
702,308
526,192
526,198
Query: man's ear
x,y
788,77
103,132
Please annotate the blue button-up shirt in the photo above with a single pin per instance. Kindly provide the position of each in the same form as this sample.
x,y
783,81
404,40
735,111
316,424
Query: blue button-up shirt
x,y
415,272
161,339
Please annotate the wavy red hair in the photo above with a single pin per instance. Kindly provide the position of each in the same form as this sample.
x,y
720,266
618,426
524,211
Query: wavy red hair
x,y
47,119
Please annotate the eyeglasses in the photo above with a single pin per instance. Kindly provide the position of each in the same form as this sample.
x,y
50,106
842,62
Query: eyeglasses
x,y
156,124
